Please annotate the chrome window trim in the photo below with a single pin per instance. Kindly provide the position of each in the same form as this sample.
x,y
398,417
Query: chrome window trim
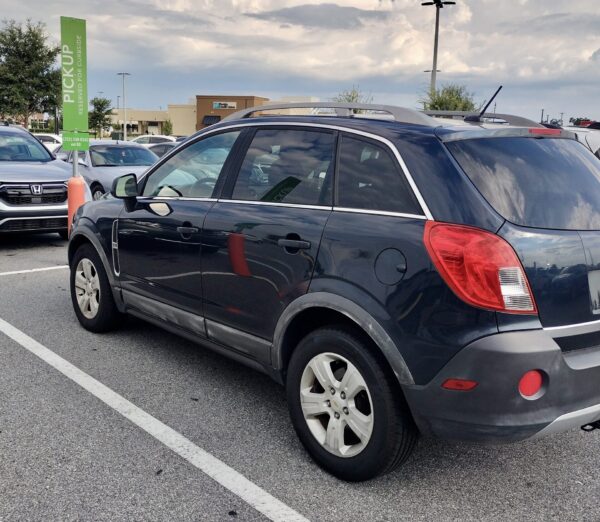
x,y
378,212
173,198
573,329
275,204
426,212
2,221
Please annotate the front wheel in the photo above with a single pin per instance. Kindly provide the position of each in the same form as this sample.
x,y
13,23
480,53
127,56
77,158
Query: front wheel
x,y
91,294
346,410
97,192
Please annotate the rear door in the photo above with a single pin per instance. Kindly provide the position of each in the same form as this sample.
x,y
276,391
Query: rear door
x,y
548,190
159,238
261,239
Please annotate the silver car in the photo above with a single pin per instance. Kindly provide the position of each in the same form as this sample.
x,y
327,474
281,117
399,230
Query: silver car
x,y
107,160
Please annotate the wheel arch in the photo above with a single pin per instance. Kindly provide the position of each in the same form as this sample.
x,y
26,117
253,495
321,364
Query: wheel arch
x,y
318,309
83,234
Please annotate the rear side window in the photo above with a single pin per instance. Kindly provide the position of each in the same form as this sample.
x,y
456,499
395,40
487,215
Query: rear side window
x,y
287,166
369,178
543,183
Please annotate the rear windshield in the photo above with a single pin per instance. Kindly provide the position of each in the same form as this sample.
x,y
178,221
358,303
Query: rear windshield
x,y
119,156
543,183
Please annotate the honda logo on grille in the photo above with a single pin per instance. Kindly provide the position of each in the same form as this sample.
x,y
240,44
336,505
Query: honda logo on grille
x,y
36,189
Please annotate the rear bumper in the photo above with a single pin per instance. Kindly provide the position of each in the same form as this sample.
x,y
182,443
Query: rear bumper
x,y
495,411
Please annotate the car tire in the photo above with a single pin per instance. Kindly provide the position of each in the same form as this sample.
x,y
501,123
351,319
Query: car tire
x,y
97,191
64,234
91,293
392,435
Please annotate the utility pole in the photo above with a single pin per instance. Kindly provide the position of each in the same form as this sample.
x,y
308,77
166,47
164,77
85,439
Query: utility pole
x,y
439,4
123,74
542,118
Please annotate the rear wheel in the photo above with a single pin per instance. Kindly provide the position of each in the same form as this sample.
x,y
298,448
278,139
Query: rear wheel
x,y
346,410
91,294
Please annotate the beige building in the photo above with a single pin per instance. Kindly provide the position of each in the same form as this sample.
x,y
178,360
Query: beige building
x,y
183,118
140,121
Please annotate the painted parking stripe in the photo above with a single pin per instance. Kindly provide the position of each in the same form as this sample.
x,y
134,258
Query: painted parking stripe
x,y
15,272
235,482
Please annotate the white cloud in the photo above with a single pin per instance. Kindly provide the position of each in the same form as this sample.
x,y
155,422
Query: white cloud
x,y
540,50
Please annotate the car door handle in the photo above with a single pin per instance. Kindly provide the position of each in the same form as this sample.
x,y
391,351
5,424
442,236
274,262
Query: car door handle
x,y
294,244
186,232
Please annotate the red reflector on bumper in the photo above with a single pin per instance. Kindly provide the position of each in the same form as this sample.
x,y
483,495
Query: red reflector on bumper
x,y
531,383
459,384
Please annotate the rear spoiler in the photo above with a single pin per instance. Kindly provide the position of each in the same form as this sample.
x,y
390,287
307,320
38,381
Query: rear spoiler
x,y
475,118
466,133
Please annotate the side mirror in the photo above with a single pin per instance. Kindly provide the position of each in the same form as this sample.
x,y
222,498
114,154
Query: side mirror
x,y
62,156
125,187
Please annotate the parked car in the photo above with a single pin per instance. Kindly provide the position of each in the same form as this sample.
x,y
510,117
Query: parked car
x,y
589,136
160,149
149,139
399,277
107,160
33,185
50,141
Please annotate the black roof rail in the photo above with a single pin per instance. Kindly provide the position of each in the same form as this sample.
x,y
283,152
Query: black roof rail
x,y
473,117
399,114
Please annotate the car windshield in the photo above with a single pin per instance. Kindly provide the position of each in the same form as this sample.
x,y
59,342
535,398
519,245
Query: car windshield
x,y
121,156
19,146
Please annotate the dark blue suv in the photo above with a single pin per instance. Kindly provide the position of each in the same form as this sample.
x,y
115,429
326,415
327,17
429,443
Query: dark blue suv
x,y
399,275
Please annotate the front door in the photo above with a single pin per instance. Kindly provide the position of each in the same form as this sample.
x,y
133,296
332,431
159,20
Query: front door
x,y
260,240
159,247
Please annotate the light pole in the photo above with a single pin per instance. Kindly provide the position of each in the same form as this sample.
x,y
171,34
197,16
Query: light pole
x,y
123,74
438,5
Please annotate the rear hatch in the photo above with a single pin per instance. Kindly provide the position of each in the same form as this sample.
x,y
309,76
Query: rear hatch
x,y
547,188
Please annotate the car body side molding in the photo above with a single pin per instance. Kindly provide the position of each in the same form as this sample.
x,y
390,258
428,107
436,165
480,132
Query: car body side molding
x,y
355,313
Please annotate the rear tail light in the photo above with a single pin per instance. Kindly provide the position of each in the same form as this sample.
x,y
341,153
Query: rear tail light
x,y
481,268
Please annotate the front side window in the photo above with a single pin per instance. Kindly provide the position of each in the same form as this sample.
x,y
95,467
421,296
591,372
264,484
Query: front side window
x,y
369,178
18,146
158,139
287,166
144,140
194,170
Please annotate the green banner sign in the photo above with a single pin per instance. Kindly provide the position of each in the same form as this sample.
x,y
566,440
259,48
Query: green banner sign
x,y
74,84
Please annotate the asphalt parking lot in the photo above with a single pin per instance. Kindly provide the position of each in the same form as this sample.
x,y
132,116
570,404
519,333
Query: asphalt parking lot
x,y
66,455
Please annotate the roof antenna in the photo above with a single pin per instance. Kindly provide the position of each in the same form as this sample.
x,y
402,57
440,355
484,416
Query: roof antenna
x,y
478,118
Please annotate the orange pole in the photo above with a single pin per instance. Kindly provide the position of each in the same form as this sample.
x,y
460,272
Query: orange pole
x,y
75,197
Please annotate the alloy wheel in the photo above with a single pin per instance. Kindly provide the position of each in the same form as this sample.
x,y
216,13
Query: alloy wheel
x,y
336,404
87,288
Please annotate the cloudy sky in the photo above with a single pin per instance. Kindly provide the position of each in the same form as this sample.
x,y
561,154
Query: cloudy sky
x,y
546,53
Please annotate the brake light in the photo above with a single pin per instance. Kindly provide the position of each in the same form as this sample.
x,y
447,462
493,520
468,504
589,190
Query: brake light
x,y
544,131
481,268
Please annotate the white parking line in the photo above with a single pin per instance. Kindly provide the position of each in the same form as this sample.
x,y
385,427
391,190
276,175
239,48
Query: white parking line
x,y
235,482
59,267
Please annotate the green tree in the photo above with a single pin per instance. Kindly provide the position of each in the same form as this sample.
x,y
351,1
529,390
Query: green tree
x,y
30,80
353,95
99,116
451,97
168,127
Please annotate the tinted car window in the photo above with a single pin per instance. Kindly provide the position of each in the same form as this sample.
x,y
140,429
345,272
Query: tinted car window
x,y
545,183
143,140
155,139
18,146
194,170
369,178
119,156
287,166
